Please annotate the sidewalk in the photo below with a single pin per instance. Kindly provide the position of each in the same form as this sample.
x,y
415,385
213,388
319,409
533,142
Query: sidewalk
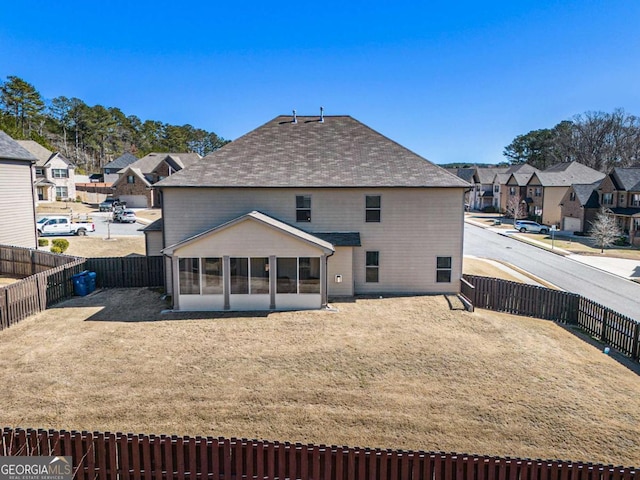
x,y
622,267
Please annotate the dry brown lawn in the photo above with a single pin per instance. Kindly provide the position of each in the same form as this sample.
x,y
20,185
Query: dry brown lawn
x,y
96,246
394,372
487,268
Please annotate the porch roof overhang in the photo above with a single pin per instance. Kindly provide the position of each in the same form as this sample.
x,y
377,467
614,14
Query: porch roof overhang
x,y
625,211
311,239
43,182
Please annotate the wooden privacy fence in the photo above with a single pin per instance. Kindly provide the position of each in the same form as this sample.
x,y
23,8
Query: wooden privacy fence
x,y
127,272
610,327
128,456
48,278
49,281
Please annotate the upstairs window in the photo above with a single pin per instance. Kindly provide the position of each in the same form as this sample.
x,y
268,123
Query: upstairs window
x,y
60,173
572,196
607,198
131,179
372,273
538,191
443,270
512,190
496,189
372,208
303,208
635,200
40,172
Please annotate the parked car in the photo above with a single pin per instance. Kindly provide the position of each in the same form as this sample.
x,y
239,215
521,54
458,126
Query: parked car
x,y
110,203
125,216
530,227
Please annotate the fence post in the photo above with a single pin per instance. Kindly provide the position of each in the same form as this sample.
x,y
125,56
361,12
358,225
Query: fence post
x,y
603,333
635,349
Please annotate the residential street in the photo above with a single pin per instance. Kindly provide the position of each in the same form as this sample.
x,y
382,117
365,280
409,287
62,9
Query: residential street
x,y
610,290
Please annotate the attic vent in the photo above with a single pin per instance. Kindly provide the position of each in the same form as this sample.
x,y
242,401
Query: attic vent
x,y
295,118
321,114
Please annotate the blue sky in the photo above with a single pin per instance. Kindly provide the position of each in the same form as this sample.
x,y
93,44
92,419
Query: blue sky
x,y
452,81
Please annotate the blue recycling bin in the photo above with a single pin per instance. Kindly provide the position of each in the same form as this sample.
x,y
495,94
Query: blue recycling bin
x,y
91,281
79,283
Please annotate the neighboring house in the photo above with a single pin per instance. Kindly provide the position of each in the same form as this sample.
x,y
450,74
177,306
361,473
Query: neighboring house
x,y
620,194
486,191
546,189
135,180
16,194
579,207
305,208
512,185
53,173
111,169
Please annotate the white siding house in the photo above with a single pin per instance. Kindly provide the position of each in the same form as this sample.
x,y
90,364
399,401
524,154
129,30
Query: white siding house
x,y
16,195
308,210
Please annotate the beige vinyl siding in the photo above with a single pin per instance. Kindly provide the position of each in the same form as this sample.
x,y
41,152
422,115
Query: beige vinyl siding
x,y
153,241
16,198
341,263
57,163
551,210
417,225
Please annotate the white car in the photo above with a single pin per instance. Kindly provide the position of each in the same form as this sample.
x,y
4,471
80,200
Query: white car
x,y
125,216
530,227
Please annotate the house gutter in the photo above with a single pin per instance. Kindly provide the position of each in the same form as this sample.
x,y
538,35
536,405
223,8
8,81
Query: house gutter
x,y
325,302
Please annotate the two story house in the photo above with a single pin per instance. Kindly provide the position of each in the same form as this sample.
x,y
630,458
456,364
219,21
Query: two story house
x,y
16,195
579,207
620,195
135,180
111,169
53,174
304,208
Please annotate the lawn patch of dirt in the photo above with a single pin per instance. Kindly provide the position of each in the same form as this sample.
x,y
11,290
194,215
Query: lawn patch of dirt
x,y
96,246
395,372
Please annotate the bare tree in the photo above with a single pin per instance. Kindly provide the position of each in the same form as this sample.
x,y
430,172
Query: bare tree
x,y
604,230
516,208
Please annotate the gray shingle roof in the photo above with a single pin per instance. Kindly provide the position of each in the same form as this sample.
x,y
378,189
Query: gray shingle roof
x,y
148,163
339,152
587,194
41,153
12,150
122,161
569,173
487,175
627,179
340,239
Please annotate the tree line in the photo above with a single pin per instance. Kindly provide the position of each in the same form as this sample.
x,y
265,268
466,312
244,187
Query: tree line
x,y
599,140
92,136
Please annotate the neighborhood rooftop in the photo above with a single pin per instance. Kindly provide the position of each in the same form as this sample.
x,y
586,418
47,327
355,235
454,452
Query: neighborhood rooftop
x,y
337,152
10,149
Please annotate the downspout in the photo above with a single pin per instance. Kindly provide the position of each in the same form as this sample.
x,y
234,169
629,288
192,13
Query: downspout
x,y
325,301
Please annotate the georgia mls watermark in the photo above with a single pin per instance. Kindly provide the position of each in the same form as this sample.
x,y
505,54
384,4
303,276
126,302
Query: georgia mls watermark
x,y
36,468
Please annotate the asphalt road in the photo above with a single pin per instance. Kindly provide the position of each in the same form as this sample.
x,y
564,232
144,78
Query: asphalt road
x,y
617,293
116,229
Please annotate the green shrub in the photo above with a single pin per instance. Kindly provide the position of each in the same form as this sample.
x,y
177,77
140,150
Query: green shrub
x,y
43,242
56,249
490,209
61,244
621,242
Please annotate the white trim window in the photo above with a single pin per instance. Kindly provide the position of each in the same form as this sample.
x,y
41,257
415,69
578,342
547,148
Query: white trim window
x,y
635,200
372,267
62,192
59,173
373,208
443,270
303,208
607,198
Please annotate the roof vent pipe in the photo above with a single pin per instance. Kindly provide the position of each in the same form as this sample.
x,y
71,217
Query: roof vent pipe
x,y
321,114
295,119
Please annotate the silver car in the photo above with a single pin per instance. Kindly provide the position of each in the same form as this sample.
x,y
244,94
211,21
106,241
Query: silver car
x,y
530,227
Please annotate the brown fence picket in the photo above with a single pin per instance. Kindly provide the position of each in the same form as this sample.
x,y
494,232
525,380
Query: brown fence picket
x,y
118,455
